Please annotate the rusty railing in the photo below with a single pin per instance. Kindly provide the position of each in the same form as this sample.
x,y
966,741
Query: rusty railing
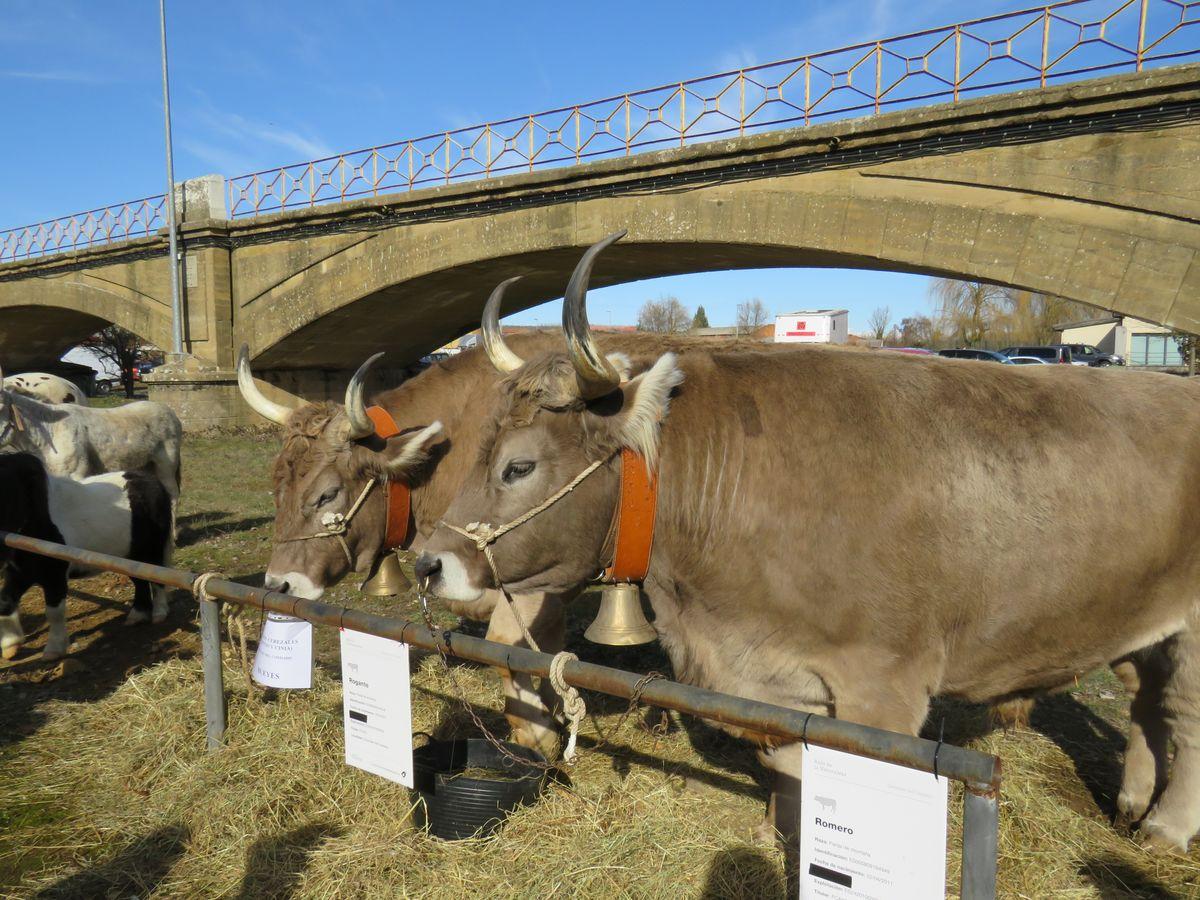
x,y
1028,48
980,773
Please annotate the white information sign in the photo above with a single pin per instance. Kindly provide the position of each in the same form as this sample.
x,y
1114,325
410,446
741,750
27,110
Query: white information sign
x,y
376,706
284,658
870,829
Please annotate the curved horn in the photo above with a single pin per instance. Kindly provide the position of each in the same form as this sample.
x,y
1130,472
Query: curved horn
x,y
595,374
356,411
268,409
493,339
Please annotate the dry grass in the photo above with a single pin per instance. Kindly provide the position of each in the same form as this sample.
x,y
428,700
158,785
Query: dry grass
x,y
112,793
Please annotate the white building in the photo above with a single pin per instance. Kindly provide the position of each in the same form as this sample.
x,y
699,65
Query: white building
x,y
813,326
1138,343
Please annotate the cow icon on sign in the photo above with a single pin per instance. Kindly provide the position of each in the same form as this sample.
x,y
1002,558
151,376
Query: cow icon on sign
x,y
828,805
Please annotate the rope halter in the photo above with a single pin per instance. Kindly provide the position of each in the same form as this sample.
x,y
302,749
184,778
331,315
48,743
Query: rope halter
x,y
337,524
483,535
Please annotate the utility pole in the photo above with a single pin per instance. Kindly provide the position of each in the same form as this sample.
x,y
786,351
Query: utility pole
x,y
172,236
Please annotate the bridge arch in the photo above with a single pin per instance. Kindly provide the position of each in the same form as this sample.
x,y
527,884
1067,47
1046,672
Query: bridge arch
x,y
45,318
1081,219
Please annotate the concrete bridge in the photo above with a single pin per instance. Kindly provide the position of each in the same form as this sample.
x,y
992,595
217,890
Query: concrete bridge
x,y
1085,190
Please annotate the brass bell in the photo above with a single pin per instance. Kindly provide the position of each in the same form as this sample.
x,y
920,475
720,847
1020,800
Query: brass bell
x,y
387,579
620,621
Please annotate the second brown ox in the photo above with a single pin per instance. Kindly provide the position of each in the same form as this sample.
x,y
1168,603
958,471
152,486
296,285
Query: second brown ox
x,y
856,533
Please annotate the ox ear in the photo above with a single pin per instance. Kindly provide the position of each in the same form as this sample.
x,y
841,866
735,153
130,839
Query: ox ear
x,y
647,401
409,451
622,363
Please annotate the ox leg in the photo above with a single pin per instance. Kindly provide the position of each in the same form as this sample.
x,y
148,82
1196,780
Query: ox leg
x,y
1145,770
782,822
1176,815
11,632
141,610
160,604
55,589
531,715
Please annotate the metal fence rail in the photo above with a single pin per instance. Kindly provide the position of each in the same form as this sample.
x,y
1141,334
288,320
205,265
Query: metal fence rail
x,y
980,773
1028,48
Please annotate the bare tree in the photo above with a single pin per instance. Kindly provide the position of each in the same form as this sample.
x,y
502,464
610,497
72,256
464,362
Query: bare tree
x,y
916,331
751,316
967,309
666,315
122,349
879,321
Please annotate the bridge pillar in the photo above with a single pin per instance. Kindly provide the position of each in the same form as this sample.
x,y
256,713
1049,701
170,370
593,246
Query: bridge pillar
x,y
201,385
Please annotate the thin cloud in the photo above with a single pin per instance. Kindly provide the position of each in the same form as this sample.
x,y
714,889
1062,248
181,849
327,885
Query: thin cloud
x,y
63,76
738,58
235,143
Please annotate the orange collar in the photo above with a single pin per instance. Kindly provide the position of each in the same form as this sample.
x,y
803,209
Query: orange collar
x,y
636,510
398,495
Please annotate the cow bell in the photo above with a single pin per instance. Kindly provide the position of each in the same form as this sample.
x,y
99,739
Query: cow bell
x,y
620,621
387,579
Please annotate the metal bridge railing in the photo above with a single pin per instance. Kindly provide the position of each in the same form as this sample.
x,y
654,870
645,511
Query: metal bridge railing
x,y
980,773
1031,47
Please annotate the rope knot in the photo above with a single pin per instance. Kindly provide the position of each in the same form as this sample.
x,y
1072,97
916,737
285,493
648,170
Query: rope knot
x,y
334,523
573,706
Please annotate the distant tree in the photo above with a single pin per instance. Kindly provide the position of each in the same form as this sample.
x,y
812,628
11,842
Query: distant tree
x,y
879,321
700,320
1189,346
967,309
120,348
751,316
666,315
916,331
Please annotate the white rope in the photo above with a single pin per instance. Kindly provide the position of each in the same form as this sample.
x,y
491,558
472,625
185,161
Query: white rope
x,y
336,524
573,706
233,619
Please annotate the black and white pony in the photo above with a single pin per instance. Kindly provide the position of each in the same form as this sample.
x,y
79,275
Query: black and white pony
x,y
126,514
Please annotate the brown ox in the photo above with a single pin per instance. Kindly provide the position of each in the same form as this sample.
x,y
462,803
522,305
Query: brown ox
x,y
329,452
857,533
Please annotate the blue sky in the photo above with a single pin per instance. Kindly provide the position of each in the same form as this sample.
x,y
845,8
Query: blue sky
x,y
257,84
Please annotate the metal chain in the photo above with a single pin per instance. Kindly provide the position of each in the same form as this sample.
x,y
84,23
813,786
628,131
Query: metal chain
x,y
461,695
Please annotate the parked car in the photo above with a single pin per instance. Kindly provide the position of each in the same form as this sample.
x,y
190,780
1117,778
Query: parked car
x,y
1051,353
972,353
1087,355
1027,361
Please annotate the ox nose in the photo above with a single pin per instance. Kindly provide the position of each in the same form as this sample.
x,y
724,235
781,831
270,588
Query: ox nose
x,y
426,568
275,583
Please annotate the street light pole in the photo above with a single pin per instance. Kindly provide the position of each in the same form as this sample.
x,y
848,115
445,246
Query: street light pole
x,y
176,299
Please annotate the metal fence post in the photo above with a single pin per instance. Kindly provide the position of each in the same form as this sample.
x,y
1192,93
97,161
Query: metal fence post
x,y
981,842
214,684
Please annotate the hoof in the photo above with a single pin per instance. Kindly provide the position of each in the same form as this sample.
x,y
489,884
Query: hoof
x,y
50,654
1129,809
764,834
1157,839
159,617
136,617
10,651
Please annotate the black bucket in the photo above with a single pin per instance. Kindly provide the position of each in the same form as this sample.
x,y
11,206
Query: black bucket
x,y
457,807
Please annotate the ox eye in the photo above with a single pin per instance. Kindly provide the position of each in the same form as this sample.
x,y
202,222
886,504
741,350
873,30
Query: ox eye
x,y
517,469
327,497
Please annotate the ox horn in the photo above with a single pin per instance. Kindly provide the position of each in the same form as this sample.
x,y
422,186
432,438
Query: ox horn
x,y
502,357
593,371
268,409
361,425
